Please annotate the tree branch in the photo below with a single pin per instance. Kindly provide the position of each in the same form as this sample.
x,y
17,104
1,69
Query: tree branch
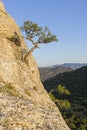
x,y
31,50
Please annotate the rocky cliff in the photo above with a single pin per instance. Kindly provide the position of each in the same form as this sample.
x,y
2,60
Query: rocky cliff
x,y
24,104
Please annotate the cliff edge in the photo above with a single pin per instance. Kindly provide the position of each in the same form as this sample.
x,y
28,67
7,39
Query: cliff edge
x,y
24,103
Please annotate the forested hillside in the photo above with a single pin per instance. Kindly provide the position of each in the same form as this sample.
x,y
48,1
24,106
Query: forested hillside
x,y
51,71
76,83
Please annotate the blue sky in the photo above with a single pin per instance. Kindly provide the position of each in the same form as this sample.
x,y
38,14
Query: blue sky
x,y
66,18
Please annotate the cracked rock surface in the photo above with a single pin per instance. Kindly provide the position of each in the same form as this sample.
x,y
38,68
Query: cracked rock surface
x,y
24,103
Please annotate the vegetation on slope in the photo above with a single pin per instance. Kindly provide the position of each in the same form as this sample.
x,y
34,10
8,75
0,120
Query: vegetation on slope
x,y
76,83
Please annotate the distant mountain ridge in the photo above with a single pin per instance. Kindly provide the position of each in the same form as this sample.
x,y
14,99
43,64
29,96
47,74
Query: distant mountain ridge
x,y
51,71
75,79
74,65
67,65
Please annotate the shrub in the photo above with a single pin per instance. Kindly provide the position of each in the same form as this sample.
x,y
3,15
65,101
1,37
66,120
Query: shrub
x,y
35,88
10,89
52,96
27,92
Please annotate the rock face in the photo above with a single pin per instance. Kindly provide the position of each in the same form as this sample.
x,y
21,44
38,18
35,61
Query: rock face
x,y
24,104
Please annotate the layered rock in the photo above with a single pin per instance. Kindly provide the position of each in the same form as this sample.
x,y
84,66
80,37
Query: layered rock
x,y
24,104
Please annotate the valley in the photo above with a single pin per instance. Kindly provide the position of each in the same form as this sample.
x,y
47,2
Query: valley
x,y
76,82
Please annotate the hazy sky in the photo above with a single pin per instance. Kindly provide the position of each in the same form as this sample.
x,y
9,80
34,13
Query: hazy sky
x,y
66,18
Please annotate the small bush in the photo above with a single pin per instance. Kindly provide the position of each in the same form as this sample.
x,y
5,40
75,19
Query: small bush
x,y
33,71
27,92
52,97
63,104
9,89
35,88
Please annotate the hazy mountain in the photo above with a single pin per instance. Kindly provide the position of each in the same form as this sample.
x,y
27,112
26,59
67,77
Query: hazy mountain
x,y
51,71
74,65
75,81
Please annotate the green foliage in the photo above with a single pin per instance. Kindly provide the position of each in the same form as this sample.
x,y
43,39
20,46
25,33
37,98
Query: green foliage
x,y
74,122
82,127
37,34
31,29
52,97
62,90
63,104
76,82
72,125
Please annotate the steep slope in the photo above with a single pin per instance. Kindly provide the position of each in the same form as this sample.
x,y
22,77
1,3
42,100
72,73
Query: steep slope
x,y
24,104
47,72
75,81
51,71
